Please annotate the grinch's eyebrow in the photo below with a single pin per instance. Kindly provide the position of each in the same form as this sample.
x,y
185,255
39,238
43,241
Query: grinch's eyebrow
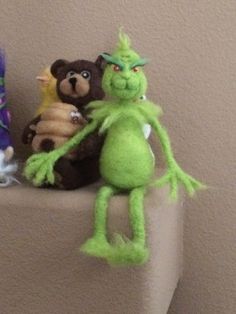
x,y
113,60
139,63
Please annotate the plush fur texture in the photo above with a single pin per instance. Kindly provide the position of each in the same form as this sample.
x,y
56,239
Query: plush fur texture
x,y
78,83
126,162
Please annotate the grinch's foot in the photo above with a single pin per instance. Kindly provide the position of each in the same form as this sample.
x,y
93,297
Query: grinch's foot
x,y
128,253
95,246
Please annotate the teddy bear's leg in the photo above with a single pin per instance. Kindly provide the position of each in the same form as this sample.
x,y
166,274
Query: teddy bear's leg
x,y
71,175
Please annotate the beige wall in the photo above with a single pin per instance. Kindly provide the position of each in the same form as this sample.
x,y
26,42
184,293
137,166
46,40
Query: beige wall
x,y
192,47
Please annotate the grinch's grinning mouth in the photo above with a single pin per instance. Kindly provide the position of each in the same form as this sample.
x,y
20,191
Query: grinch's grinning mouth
x,y
127,87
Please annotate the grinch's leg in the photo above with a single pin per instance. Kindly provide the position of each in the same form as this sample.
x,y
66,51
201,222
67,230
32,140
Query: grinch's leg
x,y
136,215
132,252
98,244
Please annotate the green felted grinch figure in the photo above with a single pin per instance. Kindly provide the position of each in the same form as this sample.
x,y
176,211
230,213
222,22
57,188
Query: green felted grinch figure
x,y
126,162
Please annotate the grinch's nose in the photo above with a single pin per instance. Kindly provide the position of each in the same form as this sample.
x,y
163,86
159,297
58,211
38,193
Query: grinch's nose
x,y
125,74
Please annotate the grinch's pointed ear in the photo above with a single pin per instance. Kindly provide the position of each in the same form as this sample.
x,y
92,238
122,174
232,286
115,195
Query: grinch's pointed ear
x,y
57,65
106,56
101,62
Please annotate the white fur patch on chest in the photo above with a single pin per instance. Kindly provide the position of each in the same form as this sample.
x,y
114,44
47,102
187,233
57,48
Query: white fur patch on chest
x,y
147,130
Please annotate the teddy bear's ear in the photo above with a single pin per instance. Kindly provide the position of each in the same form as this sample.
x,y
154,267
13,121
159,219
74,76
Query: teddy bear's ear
x,y
101,62
57,65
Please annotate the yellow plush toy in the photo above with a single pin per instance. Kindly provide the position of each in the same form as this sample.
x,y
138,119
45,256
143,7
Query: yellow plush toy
x,y
48,90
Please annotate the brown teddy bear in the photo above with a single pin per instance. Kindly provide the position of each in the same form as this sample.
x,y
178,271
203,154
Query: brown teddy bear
x,y
78,83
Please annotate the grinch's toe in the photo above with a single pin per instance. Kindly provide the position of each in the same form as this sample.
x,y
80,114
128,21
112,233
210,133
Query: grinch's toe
x,y
128,254
96,247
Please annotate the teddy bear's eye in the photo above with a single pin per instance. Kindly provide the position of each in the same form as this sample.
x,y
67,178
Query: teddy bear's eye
x,y
70,73
86,74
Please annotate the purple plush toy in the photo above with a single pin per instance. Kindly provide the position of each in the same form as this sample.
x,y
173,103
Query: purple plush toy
x,y
5,141
6,150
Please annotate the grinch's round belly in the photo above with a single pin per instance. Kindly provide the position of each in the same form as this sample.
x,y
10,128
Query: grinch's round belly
x,y
126,160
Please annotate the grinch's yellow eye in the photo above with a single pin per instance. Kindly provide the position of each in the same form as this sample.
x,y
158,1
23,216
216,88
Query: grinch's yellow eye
x,y
116,68
135,69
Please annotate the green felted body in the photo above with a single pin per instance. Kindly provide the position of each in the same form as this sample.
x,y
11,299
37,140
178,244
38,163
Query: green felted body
x,y
126,161
129,168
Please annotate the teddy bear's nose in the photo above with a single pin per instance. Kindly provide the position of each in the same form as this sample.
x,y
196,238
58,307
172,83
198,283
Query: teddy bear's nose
x,y
73,81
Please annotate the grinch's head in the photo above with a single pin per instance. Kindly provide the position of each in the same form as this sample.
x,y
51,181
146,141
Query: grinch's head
x,y
123,77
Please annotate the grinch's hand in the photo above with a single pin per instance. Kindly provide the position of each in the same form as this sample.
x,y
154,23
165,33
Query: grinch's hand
x,y
39,168
175,176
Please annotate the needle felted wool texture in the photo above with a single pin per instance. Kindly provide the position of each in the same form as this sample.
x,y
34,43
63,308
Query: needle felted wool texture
x,y
134,166
77,84
126,161
57,124
48,90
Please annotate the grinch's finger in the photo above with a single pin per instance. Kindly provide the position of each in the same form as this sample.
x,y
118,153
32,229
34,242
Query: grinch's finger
x,y
198,185
35,157
188,186
32,168
162,181
40,176
50,175
29,171
173,188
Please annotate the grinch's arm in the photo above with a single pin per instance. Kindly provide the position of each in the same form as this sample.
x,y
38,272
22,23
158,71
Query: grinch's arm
x,y
39,167
175,175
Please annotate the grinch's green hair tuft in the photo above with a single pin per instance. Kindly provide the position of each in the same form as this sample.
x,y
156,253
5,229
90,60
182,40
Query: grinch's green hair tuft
x,y
124,42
